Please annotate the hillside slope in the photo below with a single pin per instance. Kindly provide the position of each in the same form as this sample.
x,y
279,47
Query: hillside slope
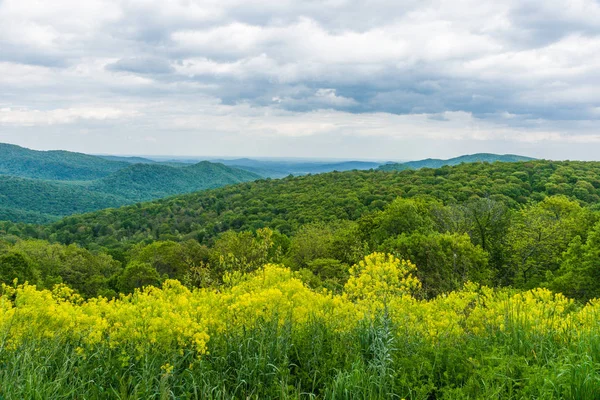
x,y
54,165
470,158
140,182
288,203
42,186
23,199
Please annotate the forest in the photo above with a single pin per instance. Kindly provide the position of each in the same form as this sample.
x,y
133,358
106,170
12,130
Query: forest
x,y
241,291
42,186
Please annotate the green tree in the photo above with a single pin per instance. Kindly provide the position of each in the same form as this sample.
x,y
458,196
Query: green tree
x,y
539,235
402,216
171,259
14,265
137,275
445,261
579,272
245,251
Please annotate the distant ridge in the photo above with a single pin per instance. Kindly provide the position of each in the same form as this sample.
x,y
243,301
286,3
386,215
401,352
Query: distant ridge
x,y
470,158
130,160
280,169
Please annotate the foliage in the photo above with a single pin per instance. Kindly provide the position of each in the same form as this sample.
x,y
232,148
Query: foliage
x,y
540,234
71,183
140,182
446,261
287,204
579,272
269,336
54,165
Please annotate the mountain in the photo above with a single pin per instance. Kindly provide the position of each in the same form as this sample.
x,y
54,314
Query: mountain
x,y
42,186
437,163
141,182
54,165
130,160
286,204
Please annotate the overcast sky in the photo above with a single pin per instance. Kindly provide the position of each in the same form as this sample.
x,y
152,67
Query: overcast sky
x,y
379,79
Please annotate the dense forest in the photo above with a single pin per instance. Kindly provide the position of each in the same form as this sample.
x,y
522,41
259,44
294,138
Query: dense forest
x,y
343,285
42,186
521,225
54,165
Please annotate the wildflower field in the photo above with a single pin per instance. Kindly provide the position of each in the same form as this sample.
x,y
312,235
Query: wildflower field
x,y
267,335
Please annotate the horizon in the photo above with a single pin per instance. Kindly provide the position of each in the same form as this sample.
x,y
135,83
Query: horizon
x,y
166,157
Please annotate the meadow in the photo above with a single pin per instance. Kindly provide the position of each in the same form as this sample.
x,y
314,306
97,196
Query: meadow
x,y
266,334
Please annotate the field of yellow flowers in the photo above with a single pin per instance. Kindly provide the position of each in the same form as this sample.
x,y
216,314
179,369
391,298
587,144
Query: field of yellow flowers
x,y
267,335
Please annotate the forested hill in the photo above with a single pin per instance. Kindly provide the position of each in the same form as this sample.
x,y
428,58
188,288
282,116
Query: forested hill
x,y
141,182
288,203
437,163
42,186
54,165
40,201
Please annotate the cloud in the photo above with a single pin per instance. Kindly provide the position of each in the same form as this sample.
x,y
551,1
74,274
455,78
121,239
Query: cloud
x,y
141,65
28,117
516,71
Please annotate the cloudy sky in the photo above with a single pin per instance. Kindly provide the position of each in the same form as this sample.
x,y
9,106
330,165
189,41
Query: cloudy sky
x,y
364,79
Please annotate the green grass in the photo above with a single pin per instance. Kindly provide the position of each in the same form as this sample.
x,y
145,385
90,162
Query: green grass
x,y
375,361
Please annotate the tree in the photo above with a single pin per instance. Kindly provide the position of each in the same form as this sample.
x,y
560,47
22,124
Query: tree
x,y
245,251
402,216
332,274
538,237
86,272
171,259
138,275
445,261
14,265
579,272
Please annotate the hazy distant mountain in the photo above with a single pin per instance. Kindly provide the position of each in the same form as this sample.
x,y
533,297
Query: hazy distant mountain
x,y
143,160
54,165
437,163
280,169
130,160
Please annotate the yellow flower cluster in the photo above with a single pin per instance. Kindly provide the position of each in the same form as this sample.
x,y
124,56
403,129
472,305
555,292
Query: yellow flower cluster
x,y
174,318
381,276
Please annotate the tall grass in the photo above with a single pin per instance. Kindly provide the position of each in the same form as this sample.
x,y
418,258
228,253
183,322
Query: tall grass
x,y
376,360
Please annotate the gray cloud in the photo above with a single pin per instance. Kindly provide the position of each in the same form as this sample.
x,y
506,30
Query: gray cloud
x,y
511,72
142,65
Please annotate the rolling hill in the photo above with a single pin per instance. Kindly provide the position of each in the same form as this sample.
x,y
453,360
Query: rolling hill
x,y
140,182
54,165
437,163
38,201
42,186
289,203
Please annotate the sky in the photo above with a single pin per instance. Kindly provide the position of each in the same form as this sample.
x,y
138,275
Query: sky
x,y
371,79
